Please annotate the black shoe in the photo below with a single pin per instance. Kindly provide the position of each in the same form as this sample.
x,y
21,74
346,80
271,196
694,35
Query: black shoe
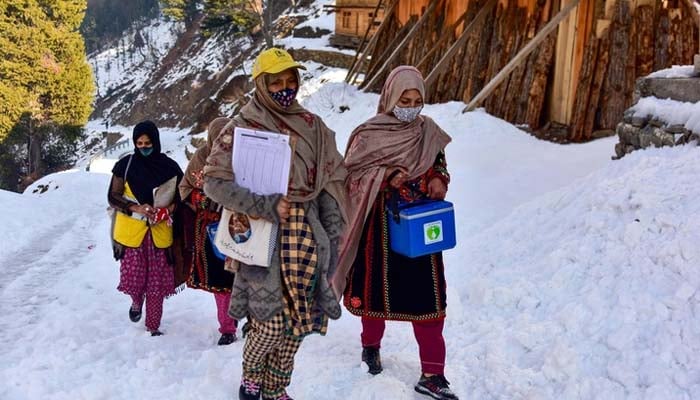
x,y
246,328
370,356
134,315
249,390
436,387
227,338
283,396
156,333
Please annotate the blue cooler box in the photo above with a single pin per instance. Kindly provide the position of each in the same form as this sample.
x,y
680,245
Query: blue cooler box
x,y
211,232
423,228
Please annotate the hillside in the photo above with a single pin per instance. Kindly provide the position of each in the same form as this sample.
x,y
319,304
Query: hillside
x,y
181,77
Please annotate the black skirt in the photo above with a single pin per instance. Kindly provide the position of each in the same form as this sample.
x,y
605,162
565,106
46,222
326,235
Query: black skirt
x,y
386,285
206,269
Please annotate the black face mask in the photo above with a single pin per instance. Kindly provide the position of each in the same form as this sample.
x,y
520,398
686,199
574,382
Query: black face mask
x,y
284,97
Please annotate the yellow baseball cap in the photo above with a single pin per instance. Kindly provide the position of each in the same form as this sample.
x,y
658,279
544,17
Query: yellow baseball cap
x,y
272,61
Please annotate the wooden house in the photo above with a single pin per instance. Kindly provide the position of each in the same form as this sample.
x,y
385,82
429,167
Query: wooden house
x,y
355,19
539,63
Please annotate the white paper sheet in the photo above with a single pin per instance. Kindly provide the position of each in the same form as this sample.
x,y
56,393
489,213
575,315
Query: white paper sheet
x,y
261,160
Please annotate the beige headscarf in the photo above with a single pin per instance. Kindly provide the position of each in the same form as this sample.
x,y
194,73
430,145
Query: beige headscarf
x,y
316,164
192,179
384,142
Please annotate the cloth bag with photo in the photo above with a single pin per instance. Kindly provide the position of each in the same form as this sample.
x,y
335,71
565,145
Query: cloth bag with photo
x,y
258,247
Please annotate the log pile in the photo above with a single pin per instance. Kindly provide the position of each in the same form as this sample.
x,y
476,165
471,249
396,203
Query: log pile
x,y
638,41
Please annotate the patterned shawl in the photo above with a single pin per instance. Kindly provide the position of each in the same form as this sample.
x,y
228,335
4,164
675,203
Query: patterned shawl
x,y
316,163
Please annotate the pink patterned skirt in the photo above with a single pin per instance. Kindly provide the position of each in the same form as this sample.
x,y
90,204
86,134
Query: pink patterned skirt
x,y
145,270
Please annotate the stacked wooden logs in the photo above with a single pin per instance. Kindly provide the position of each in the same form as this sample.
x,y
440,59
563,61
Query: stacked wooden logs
x,y
636,42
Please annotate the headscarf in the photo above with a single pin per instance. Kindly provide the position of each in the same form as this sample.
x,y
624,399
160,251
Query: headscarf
x,y
379,143
192,180
146,172
401,79
316,163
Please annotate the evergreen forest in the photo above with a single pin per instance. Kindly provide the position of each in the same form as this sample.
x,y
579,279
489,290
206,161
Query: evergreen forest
x,y
46,87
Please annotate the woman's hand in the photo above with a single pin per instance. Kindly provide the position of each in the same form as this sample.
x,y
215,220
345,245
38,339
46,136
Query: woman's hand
x,y
400,176
283,209
144,209
437,189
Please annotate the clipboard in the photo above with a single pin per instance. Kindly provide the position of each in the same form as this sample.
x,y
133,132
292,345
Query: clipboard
x,y
261,160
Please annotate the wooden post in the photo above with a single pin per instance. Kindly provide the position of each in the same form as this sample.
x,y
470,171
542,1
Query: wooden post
x,y
581,101
614,94
565,68
370,46
522,55
694,12
388,48
364,38
696,17
401,45
444,37
601,69
447,57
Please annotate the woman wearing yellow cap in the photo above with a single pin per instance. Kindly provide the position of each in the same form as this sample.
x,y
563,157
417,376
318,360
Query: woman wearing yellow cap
x,y
292,297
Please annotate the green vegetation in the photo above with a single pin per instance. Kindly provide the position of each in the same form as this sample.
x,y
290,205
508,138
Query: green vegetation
x,y
106,20
46,86
241,16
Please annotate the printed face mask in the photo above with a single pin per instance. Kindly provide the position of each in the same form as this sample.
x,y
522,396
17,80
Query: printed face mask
x,y
407,114
284,97
146,151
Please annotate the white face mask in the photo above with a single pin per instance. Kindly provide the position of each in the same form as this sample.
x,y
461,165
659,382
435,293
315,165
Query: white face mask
x,y
407,114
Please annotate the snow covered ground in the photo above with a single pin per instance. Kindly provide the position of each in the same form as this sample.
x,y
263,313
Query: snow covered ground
x,y
574,278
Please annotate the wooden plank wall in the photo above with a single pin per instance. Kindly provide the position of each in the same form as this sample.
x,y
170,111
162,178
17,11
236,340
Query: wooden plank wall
x,y
360,16
452,9
582,75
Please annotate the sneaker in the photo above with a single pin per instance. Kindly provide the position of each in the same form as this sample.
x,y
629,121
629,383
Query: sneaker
x,y
249,390
435,386
156,333
134,315
227,338
370,356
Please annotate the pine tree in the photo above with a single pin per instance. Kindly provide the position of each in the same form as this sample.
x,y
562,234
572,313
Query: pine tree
x,y
181,10
242,15
106,20
45,80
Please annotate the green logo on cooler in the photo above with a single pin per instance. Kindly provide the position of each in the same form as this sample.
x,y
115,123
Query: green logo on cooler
x,y
432,232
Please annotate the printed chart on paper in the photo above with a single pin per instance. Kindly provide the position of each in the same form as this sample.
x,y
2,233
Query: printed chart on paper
x,y
261,160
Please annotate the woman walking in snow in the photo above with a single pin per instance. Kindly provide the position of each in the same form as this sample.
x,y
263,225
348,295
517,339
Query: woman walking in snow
x,y
292,297
398,152
143,226
206,270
